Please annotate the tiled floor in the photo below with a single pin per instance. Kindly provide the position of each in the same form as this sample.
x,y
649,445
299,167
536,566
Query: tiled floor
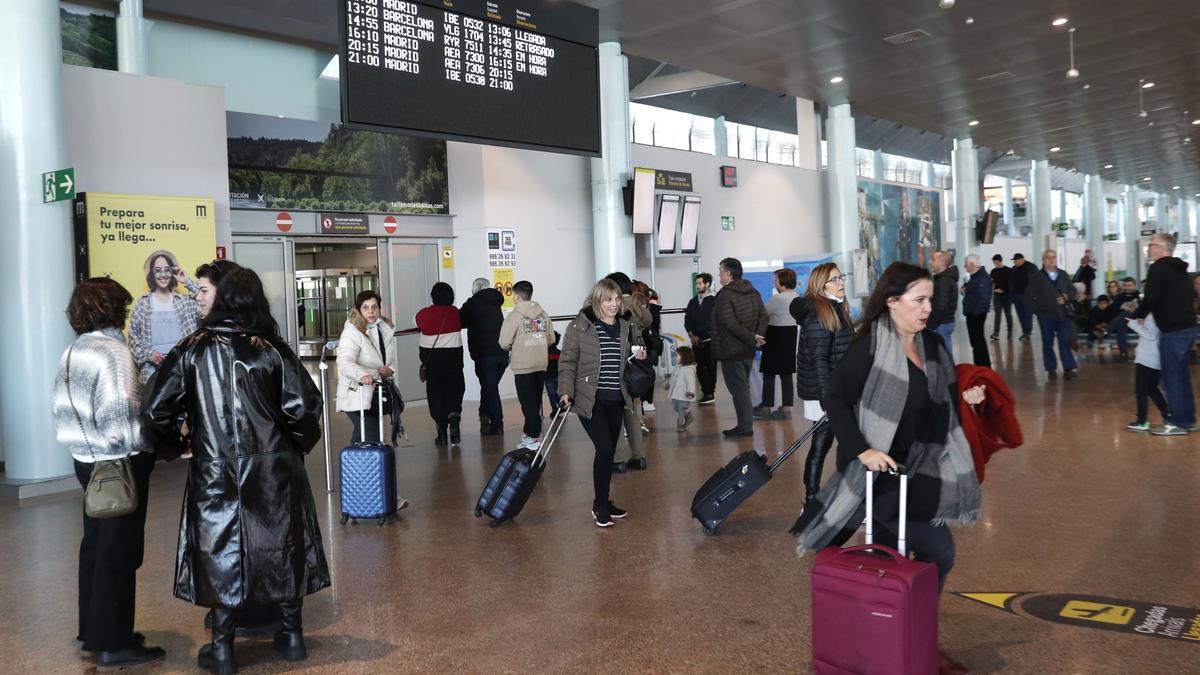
x,y
1084,508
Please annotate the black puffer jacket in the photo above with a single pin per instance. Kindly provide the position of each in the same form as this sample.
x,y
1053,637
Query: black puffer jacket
x,y
945,297
820,350
248,533
482,317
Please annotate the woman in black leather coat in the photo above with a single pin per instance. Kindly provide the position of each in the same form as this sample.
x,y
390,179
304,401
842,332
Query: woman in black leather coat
x,y
248,534
825,332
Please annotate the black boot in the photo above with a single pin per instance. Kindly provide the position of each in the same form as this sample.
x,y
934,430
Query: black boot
x,y
440,441
455,433
822,440
289,641
217,656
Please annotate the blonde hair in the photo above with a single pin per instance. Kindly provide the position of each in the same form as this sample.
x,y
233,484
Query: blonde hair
x,y
827,311
600,292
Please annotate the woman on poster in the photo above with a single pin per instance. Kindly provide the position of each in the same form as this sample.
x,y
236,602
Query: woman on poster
x,y
161,317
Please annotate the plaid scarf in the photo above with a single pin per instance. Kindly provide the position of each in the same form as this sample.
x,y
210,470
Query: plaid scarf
x,y
840,507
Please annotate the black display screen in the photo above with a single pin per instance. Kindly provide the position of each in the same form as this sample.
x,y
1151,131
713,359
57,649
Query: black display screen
x,y
519,72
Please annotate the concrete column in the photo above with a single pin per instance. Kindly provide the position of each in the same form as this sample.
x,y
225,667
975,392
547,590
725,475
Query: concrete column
x,y
612,230
1039,204
720,137
1009,212
928,175
131,38
1062,207
842,183
37,273
1094,223
1133,230
877,164
1161,207
965,165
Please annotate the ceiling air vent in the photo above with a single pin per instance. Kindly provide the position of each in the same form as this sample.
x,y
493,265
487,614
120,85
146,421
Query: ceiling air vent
x,y
906,37
996,77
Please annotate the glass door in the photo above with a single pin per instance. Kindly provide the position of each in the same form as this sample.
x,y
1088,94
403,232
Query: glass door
x,y
273,259
414,270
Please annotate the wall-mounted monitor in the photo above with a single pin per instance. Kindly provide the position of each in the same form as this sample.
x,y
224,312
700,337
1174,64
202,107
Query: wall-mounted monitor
x,y
668,223
503,72
643,201
690,234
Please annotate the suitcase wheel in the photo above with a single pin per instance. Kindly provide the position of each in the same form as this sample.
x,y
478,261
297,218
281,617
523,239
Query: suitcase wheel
x,y
345,517
381,521
709,531
478,512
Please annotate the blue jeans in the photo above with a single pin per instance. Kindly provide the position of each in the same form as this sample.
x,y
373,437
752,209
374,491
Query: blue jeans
x,y
489,370
946,330
1023,314
1052,326
552,390
1120,328
1175,348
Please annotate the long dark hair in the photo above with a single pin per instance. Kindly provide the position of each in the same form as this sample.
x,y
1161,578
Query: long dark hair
x,y
894,283
240,298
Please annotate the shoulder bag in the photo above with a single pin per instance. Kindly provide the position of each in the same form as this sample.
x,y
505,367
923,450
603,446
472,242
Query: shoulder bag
x,y
421,373
639,373
111,491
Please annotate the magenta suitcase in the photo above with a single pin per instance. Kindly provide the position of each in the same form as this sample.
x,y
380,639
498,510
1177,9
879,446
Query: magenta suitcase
x,y
874,611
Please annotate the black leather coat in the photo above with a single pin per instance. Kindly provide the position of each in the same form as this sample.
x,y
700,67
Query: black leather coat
x,y
248,533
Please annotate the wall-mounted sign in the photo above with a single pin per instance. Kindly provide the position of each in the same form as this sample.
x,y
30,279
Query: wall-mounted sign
x,y
508,240
673,180
1149,232
1061,227
447,256
502,280
1111,237
58,186
343,223
283,221
502,248
728,223
729,176
389,224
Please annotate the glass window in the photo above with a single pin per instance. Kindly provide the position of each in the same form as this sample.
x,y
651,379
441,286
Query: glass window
x,y
864,162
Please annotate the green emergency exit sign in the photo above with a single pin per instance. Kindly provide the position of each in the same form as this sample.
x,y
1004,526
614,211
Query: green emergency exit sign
x,y
58,186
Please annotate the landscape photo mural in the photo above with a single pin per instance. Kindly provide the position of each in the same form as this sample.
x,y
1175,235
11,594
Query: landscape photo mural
x,y
897,222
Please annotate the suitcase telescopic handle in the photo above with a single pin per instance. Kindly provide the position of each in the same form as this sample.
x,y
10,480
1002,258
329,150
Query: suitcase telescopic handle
x,y
796,446
901,539
556,424
362,412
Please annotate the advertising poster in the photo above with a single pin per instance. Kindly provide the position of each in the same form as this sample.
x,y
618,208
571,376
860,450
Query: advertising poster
x,y
143,242
897,222
502,280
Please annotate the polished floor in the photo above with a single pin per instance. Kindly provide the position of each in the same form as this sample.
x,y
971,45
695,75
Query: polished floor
x,y
1084,508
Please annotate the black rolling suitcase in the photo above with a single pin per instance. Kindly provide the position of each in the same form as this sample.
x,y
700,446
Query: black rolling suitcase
x,y
517,475
733,484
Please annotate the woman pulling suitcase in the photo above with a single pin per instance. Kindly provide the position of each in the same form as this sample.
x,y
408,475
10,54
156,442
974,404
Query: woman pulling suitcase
x,y
901,379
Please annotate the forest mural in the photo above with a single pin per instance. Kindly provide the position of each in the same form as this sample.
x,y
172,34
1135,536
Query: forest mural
x,y
897,222
279,163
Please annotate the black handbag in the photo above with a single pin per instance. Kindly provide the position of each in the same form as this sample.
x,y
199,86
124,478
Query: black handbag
x,y
111,491
639,375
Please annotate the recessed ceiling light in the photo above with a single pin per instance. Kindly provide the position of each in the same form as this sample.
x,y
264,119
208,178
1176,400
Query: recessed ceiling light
x,y
836,79
1060,21
1195,121
1146,178
1086,87
970,21
1174,187
1055,149
973,123
1147,85
1108,166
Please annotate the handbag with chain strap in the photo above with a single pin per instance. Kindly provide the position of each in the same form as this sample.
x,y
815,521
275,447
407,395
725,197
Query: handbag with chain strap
x,y
111,491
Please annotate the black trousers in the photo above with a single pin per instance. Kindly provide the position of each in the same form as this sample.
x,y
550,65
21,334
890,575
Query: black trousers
x,y
926,541
109,557
706,368
529,393
768,390
976,327
444,389
822,440
1001,303
371,420
604,428
1145,384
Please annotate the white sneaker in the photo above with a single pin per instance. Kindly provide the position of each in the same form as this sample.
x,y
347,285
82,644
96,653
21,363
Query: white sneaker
x,y
647,407
534,443
524,444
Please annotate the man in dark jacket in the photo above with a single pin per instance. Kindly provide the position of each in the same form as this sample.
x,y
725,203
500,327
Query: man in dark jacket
x,y
1170,297
738,326
1050,289
1021,272
945,297
977,296
1001,295
697,321
482,317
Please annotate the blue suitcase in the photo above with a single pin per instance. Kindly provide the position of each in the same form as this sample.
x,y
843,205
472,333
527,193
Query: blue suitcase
x,y
368,475
517,475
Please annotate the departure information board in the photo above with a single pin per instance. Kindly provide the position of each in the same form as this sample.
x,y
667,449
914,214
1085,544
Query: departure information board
x,y
508,72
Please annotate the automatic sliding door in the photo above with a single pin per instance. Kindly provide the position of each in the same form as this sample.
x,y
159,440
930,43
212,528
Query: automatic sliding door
x,y
272,258
413,272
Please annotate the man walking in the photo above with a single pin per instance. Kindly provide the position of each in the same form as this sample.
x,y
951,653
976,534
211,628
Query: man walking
x,y
1001,295
1170,297
738,326
1021,272
945,297
697,321
482,317
525,335
977,296
1050,290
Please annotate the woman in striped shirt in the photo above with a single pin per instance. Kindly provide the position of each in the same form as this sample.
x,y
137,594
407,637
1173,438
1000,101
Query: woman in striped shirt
x,y
595,348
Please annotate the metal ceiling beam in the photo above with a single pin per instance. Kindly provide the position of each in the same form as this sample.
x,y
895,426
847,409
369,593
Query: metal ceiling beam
x,y
665,85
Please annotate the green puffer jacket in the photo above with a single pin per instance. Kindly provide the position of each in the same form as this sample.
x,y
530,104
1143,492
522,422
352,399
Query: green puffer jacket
x,y
579,364
738,315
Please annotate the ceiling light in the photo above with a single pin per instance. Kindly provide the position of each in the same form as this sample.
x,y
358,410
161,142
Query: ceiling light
x,y
1147,85
1055,149
945,4
1059,21
970,20
1146,178
1174,187
1086,87
836,79
1108,166
1073,72
1195,121
973,123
